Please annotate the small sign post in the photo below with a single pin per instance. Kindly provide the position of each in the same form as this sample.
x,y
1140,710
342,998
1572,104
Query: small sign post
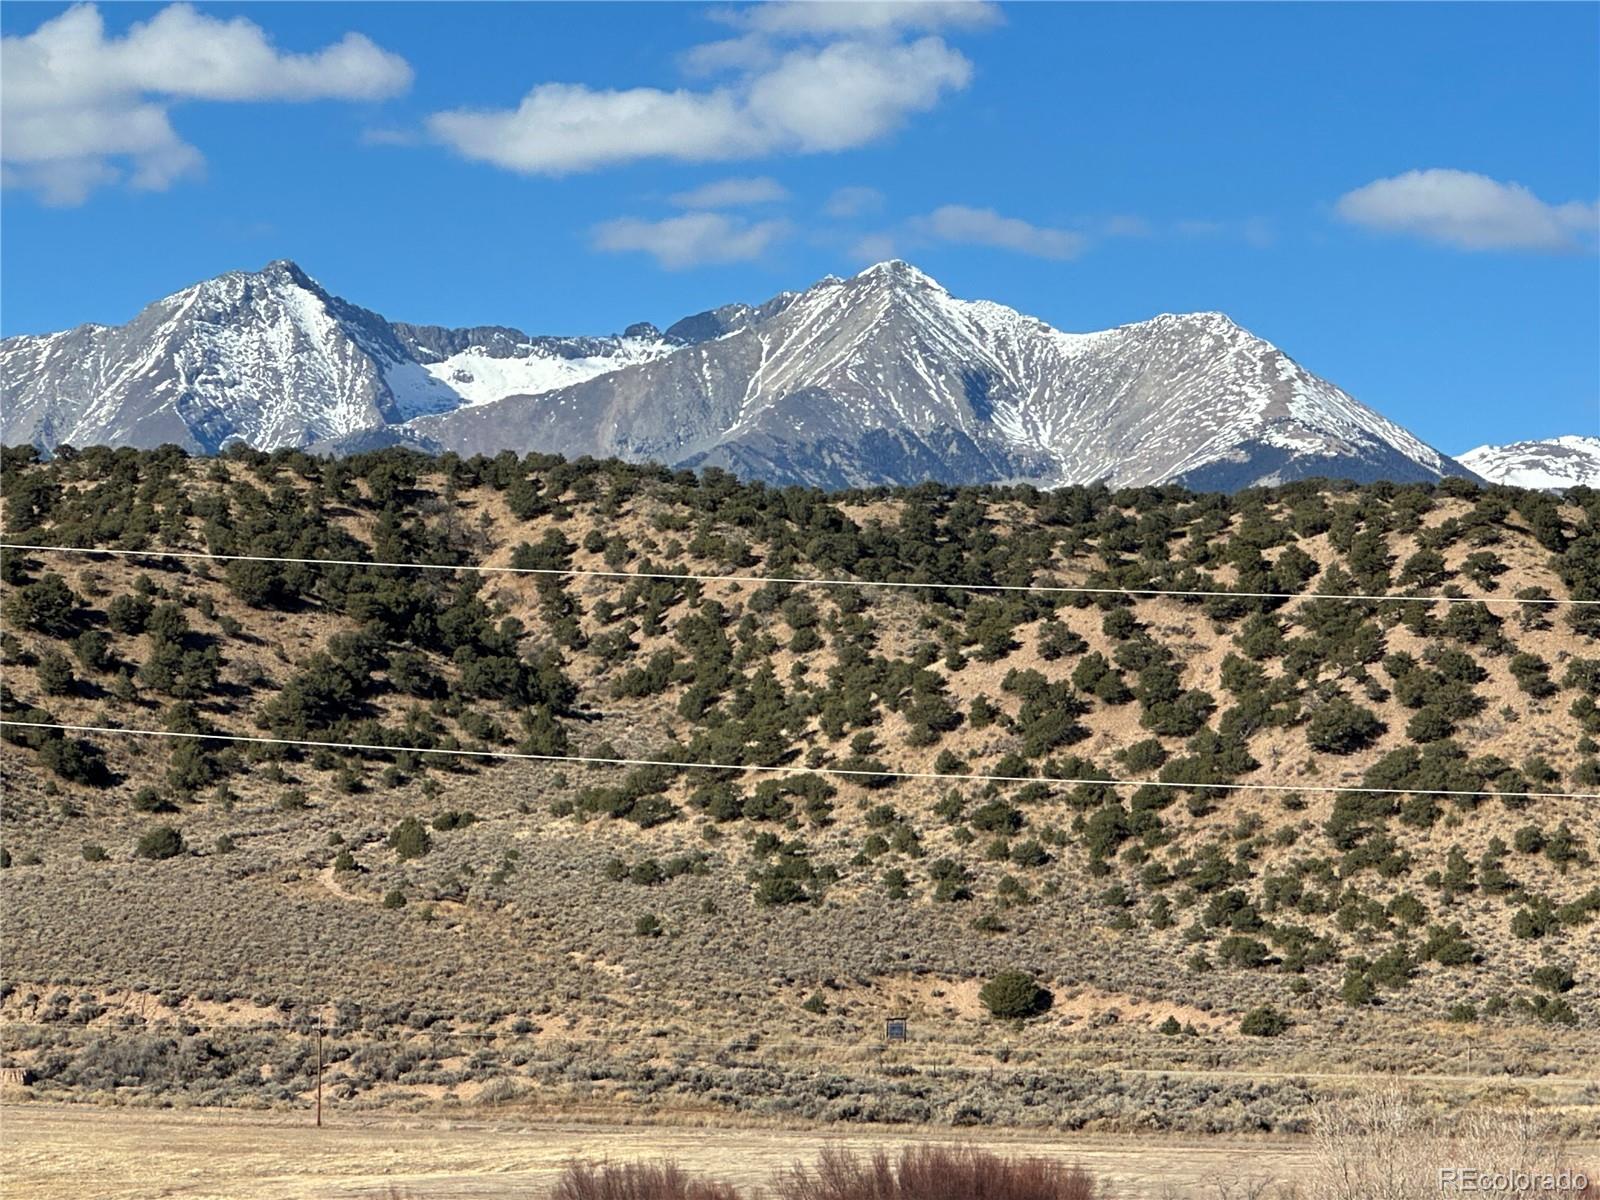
x,y
319,1074
895,1029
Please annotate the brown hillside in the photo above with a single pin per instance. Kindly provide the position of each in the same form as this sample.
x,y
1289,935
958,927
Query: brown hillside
x,y
689,940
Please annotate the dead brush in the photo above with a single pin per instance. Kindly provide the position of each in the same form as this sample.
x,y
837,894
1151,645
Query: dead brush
x,y
636,1181
934,1173
1391,1145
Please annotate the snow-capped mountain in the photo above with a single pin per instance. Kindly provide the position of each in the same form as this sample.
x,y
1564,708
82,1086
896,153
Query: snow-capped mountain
x,y
272,359
269,358
887,378
1556,464
880,378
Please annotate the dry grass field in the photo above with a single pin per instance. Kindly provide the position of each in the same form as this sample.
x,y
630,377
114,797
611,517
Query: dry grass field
x,y
51,1152
61,1153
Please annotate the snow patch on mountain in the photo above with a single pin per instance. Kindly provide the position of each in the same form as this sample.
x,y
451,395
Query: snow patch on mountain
x,y
1554,464
418,391
475,376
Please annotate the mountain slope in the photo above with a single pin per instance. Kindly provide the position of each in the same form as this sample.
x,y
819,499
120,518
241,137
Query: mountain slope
x,y
887,378
1560,462
1292,851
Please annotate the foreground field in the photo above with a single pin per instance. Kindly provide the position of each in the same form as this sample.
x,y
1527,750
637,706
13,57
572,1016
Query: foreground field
x,y
56,1153
50,1152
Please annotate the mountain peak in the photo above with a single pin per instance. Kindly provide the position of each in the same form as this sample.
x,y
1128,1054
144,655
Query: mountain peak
x,y
279,274
898,271
286,270
1208,319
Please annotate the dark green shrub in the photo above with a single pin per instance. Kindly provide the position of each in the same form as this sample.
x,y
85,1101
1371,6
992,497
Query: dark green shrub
x,y
149,800
1238,951
1357,991
1342,727
1448,946
73,759
1264,1021
1532,674
49,607
129,614
1554,978
1014,995
1430,723
1146,755
950,881
161,842
1534,920
55,674
410,839
647,925
996,817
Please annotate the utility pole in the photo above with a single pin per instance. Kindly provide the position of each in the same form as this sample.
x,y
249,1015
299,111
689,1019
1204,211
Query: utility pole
x,y
319,1074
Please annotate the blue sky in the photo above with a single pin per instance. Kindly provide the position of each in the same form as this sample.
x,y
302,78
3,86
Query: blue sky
x,y
1401,197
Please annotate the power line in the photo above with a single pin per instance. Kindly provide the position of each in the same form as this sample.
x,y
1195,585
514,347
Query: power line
x,y
858,772
685,577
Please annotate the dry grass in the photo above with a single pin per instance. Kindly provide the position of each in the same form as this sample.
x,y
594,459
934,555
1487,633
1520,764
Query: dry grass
x,y
1382,1145
934,1173
67,1152
636,1181
1386,1145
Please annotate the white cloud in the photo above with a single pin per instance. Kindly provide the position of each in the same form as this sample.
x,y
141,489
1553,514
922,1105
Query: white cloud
x,y
874,247
693,239
1468,211
732,193
562,127
1125,225
850,93
985,227
80,110
858,17
749,53
849,202
1253,231
810,99
766,24
963,224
